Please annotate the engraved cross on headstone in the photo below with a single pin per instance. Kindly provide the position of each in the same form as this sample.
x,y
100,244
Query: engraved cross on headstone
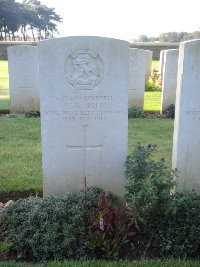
x,y
84,147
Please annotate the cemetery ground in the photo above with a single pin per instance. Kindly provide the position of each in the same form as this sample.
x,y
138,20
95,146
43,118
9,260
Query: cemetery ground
x,y
20,160
143,263
20,163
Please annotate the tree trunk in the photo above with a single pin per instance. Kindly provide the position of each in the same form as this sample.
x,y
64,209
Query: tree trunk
x,y
13,36
1,36
33,33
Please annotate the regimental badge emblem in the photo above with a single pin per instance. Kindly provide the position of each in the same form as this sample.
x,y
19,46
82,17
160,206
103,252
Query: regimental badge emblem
x,y
84,69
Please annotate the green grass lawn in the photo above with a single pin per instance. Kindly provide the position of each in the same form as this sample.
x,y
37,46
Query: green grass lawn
x,y
143,263
20,149
152,131
20,154
4,86
152,101
155,64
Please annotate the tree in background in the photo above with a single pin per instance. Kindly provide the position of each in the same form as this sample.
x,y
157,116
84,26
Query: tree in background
x,y
170,37
178,36
30,19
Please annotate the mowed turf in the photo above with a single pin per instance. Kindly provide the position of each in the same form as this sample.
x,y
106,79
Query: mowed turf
x,y
20,155
4,86
152,101
20,149
94,263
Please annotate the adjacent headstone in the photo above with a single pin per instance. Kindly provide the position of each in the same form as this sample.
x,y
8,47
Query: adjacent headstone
x,y
149,55
84,95
169,81
137,67
186,142
161,62
23,78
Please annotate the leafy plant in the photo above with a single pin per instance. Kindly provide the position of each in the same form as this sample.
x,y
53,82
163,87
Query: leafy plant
x,y
5,246
135,112
49,228
170,111
148,183
107,228
153,82
177,232
30,114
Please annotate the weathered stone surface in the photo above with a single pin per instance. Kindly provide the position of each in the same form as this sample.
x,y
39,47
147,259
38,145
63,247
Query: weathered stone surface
x,y
137,66
84,95
169,81
148,65
186,142
23,78
161,62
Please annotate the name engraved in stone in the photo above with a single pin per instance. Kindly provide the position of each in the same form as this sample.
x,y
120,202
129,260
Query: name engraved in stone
x,y
82,108
194,113
84,69
83,98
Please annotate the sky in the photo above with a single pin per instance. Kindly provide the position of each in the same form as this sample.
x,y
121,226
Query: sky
x,y
125,19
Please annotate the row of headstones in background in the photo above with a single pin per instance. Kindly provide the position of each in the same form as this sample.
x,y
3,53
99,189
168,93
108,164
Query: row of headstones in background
x,y
23,77
140,62
161,62
168,72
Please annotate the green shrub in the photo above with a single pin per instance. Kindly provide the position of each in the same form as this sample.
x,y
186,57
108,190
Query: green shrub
x,y
5,246
177,232
148,182
64,227
170,111
135,112
153,82
170,221
30,114
49,228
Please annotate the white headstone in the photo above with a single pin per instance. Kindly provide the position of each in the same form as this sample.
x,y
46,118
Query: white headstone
x,y
169,81
186,142
23,78
161,62
137,66
149,55
84,97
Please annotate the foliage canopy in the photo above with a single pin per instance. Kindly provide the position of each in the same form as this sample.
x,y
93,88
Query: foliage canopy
x,y
27,19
